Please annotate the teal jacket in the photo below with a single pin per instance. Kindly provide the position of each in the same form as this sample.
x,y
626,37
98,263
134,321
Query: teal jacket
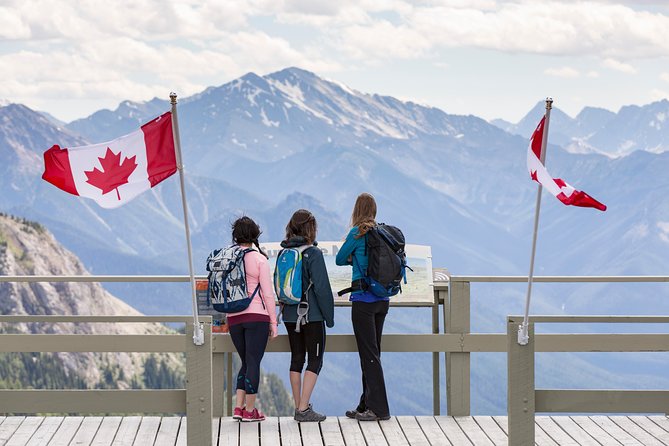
x,y
355,249
320,296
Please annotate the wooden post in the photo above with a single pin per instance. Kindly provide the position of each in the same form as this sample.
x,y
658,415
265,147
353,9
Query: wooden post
x,y
218,384
520,404
230,390
199,407
458,364
436,397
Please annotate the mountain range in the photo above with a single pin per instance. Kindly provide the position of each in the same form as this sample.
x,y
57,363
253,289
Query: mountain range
x,y
267,145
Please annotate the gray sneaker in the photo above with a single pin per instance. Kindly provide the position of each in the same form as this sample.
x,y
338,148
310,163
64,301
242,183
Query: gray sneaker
x,y
308,415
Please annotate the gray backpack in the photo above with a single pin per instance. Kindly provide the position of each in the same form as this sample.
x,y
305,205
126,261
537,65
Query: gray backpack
x,y
227,280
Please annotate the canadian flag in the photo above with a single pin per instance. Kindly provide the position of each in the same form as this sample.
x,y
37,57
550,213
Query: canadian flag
x,y
558,187
115,172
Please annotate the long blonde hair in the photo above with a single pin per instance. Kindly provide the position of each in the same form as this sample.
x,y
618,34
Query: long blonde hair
x,y
364,213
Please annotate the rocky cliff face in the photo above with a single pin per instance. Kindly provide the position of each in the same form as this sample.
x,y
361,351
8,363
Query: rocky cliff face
x,y
27,248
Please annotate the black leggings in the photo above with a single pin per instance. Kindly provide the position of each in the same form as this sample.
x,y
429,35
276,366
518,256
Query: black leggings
x,y
250,339
311,340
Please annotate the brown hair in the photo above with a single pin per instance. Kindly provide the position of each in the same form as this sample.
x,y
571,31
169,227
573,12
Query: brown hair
x,y
302,224
245,230
364,213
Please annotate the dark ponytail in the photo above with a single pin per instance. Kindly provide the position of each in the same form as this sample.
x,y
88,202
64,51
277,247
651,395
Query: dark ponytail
x,y
245,230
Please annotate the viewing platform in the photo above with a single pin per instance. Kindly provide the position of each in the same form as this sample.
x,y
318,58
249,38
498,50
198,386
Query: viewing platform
x,y
207,406
334,431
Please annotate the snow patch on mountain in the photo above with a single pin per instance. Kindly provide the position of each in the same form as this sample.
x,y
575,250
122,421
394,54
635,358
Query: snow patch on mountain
x,y
663,226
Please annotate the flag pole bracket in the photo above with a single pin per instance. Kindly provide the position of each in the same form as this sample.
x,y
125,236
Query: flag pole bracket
x,y
523,335
198,333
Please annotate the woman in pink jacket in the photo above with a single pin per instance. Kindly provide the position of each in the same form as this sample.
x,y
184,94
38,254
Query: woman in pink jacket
x,y
250,329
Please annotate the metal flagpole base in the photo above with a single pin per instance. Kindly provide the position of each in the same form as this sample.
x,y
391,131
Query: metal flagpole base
x,y
523,336
198,333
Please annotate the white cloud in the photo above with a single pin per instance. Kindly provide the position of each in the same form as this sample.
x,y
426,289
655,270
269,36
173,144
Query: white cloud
x,y
551,28
566,72
657,94
664,76
592,74
619,66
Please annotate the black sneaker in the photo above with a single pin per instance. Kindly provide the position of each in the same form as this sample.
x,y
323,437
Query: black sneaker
x,y
308,415
352,413
368,415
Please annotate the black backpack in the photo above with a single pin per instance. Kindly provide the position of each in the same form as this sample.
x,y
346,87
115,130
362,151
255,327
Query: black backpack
x,y
387,266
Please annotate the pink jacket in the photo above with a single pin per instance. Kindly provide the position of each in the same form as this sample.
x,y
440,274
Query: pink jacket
x,y
256,267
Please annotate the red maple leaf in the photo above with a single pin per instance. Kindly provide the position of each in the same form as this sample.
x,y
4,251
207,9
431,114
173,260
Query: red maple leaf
x,y
533,175
114,173
559,182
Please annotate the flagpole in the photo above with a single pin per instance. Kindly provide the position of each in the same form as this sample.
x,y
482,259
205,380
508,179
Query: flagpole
x,y
523,336
198,329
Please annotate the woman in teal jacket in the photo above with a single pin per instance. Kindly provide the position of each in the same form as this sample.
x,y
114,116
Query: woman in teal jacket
x,y
368,313
309,341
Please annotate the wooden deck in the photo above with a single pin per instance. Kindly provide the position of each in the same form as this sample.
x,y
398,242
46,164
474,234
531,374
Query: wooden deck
x,y
401,430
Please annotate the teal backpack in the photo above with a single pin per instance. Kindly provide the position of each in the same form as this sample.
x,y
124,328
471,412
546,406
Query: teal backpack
x,y
288,283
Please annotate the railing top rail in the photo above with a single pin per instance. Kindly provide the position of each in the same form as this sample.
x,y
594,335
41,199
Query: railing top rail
x,y
95,319
565,279
437,283
93,278
596,319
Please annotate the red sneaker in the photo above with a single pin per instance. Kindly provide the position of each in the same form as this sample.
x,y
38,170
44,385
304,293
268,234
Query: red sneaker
x,y
254,415
237,414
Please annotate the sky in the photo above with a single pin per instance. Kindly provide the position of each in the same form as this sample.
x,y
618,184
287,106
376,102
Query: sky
x,y
493,59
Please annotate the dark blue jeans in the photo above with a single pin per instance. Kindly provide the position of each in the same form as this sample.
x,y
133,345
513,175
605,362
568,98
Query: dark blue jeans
x,y
250,339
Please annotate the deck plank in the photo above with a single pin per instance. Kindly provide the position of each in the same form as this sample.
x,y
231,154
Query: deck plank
x,y
373,433
66,431
615,431
452,430
652,428
592,428
311,434
8,427
393,432
228,433
249,434
148,429
492,430
167,433
540,437
290,432
332,433
87,430
215,430
351,431
107,431
25,431
127,431
45,431
575,431
473,431
636,431
269,432
182,437
412,431
554,431
662,421
433,432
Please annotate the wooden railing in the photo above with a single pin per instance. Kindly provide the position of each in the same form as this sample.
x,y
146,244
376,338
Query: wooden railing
x,y
195,400
204,398
524,400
